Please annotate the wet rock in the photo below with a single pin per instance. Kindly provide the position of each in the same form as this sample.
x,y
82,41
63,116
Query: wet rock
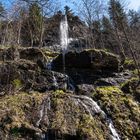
x,y
47,80
116,80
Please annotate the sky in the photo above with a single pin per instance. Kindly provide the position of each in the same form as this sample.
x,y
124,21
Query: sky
x,y
132,4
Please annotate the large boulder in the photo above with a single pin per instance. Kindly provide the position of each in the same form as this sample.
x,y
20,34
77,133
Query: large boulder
x,y
97,60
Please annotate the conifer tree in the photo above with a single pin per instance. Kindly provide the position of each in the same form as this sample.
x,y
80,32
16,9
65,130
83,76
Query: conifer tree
x,y
117,17
117,14
35,22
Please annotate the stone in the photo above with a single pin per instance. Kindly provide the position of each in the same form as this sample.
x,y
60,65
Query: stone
x,y
96,60
85,89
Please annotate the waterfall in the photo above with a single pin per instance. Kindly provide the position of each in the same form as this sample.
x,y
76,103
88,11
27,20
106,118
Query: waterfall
x,y
64,41
92,108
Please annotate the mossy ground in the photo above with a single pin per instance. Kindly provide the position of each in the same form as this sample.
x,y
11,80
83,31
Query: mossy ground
x,y
14,110
19,116
122,108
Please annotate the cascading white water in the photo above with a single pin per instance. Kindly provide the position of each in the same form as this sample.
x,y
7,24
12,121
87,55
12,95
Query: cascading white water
x,y
40,115
44,107
91,108
55,84
64,41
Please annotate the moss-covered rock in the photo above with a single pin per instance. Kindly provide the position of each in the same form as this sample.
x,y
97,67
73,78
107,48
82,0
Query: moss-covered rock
x,y
123,109
129,64
27,75
132,87
16,111
24,116
97,60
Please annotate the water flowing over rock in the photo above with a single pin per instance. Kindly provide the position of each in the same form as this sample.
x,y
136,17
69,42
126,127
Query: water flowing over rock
x,y
92,108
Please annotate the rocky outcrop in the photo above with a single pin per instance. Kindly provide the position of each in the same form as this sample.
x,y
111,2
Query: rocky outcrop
x,y
26,75
116,79
96,60
93,101
32,54
52,115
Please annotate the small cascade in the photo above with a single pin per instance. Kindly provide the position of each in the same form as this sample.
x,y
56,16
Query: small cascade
x,y
64,41
70,85
55,84
46,105
49,65
92,108
41,114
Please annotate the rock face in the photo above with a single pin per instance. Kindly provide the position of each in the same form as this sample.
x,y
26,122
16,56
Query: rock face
x,y
26,75
90,59
91,101
28,71
53,115
32,54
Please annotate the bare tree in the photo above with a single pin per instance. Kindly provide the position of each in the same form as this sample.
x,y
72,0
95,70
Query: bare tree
x,y
90,11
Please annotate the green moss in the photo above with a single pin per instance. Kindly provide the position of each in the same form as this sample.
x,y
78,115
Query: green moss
x,y
17,83
71,118
122,108
58,93
101,51
49,54
129,64
14,106
130,85
90,128
109,90
128,61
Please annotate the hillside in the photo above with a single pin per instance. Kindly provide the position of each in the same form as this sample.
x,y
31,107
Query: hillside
x,y
92,100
